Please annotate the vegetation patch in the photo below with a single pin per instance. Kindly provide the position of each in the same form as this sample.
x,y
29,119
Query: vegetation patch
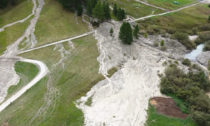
x,y
56,23
135,8
89,101
189,87
155,119
187,20
16,12
168,107
11,34
170,4
27,72
112,71
73,81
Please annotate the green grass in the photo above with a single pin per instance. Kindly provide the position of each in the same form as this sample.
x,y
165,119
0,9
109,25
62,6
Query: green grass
x,y
180,103
75,80
155,119
89,101
134,8
112,71
15,13
27,72
55,24
183,20
168,4
11,34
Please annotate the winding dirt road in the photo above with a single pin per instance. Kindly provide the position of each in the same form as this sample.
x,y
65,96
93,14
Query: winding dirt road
x,y
43,70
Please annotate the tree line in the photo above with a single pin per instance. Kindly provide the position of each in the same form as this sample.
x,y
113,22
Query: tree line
x,y
5,3
191,88
94,8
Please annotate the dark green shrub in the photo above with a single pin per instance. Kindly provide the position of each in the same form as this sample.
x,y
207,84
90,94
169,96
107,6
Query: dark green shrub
x,y
156,44
206,46
186,62
180,36
204,37
204,27
195,30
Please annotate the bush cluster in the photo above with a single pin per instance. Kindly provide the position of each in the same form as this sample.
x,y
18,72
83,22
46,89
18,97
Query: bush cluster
x,y
190,88
184,39
186,62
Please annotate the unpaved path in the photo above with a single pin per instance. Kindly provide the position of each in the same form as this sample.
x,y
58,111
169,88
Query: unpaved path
x,y
11,52
147,4
54,43
23,20
42,72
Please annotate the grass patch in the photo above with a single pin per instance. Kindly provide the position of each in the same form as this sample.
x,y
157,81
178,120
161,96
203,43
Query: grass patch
x,y
183,20
55,24
11,34
180,103
168,4
73,81
15,13
155,119
27,72
134,8
112,71
89,101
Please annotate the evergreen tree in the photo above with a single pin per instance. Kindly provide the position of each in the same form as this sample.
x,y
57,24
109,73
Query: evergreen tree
x,y
70,4
162,43
123,14
209,18
119,14
111,32
115,9
125,34
89,7
106,11
98,11
145,35
13,2
3,3
136,31
79,10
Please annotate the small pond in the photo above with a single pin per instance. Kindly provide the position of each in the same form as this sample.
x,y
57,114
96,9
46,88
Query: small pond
x,y
192,55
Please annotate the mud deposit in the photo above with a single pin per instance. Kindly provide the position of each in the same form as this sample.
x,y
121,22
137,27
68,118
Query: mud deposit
x,y
167,106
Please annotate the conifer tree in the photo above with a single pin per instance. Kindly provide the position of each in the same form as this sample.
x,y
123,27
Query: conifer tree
x,y
209,18
123,14
136,31
162,43
125,34
115,9
119,13
98,11
89,7
111,32
79,10
106,11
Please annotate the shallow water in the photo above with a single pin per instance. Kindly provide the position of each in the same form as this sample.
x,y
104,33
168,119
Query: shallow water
x,y
192,55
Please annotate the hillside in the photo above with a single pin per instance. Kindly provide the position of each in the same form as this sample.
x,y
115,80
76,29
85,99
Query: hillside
x,y
104,63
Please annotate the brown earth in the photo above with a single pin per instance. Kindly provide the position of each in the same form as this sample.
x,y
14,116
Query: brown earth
x,y
167,106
